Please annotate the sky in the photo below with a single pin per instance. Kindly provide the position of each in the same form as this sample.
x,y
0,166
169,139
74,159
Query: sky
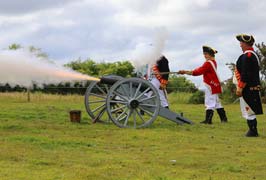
x,y
112,30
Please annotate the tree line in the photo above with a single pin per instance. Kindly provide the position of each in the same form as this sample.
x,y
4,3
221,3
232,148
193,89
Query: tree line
x,y
123,68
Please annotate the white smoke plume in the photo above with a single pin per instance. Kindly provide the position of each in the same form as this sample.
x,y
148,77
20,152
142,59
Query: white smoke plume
x,y
22,68
148,53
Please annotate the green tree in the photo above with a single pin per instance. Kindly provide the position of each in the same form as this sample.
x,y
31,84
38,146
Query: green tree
x,y
120,68
88,67
105,69
38,52
262,56
14,46
229,87
124,69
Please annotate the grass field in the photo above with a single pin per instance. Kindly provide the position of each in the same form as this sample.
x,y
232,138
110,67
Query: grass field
x,y
38,141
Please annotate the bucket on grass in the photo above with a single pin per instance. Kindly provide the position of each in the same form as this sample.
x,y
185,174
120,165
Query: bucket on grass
x,y
75,116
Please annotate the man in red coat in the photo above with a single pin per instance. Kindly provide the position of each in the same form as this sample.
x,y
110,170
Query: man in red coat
x,y
212,83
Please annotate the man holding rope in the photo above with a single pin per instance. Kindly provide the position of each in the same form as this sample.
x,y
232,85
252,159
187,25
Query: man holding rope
x,y
213,86
160,72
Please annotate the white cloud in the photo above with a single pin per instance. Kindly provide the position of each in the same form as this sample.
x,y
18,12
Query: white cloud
x,y
18,7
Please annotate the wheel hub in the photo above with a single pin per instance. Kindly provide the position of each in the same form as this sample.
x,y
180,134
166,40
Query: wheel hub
x,y
134,104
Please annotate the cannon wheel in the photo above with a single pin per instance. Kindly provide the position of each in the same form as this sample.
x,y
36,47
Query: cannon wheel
x,y
95,99
137,103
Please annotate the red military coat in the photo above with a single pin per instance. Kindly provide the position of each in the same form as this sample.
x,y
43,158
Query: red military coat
x,y
210,77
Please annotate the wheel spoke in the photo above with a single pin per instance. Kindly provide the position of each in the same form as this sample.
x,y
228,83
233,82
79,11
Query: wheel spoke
x,y
102,112
123,89
130,112
140,116
148,105
148,112
120,115
103,105
130,90
119,95
147,98
134,118
97,95
98,87
122,118
99,115
93,102
116,109
118,102
146,90
106,88
137,90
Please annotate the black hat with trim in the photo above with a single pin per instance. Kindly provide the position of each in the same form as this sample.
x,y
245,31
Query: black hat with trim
x,y
209,50
249,39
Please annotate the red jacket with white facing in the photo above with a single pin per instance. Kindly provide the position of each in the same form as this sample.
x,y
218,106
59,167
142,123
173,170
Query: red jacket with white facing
x,y
209,76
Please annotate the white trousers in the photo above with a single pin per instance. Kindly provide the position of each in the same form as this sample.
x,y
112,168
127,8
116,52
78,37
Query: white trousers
x,y
156,83
247,112
211,101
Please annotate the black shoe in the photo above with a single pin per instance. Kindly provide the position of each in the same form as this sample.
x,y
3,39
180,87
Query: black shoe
x,y
222,115
208,117
141,112
252,132
204,122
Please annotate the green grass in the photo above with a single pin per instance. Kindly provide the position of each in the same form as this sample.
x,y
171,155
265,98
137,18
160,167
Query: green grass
x,y
38,141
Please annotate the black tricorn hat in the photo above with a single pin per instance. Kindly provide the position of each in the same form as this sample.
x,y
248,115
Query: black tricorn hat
x,y
249,39
207,49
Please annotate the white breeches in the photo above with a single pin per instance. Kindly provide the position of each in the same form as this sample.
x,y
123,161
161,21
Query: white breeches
x,y
247,112
212,101
156,83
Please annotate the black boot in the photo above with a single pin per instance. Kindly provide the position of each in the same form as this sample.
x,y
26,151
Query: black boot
x,y
222,115
252,132
208,117
141,112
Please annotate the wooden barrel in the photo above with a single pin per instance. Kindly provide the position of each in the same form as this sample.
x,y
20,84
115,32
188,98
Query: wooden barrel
x,y
75,115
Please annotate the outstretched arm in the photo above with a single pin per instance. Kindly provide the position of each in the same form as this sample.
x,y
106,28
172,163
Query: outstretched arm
x,y
185,72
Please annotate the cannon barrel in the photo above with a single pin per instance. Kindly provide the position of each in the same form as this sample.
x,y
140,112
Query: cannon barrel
x,y
110,80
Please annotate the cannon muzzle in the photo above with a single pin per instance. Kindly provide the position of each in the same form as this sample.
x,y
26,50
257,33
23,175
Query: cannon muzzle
x,y
110,79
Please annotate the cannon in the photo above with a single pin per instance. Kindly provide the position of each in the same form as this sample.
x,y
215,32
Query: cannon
x,y
127,102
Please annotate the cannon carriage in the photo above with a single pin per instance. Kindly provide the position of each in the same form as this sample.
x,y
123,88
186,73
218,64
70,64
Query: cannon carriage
x,y
127,102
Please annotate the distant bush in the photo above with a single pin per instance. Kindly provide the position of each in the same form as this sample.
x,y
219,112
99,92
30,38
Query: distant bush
x,y
180,84
197,98
229,89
